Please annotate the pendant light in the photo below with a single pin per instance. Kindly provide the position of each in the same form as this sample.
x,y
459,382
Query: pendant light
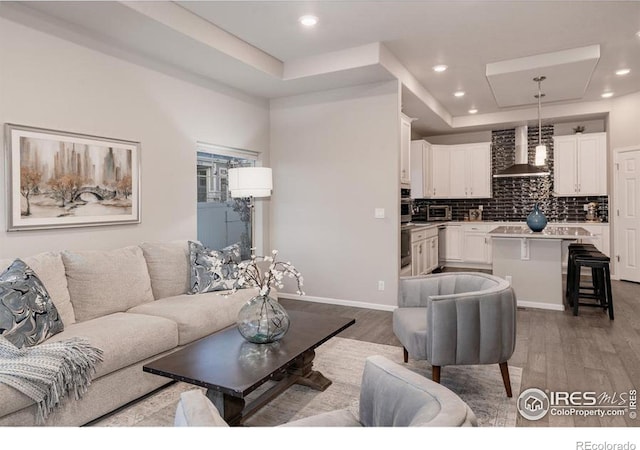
x,y
541,150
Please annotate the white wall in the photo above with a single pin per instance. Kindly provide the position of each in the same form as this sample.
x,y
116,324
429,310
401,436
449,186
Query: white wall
x,y
51,83
624,131
624,121
460,138
335,157
590,126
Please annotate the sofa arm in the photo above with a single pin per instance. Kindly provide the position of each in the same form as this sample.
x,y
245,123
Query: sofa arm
x,y
471,328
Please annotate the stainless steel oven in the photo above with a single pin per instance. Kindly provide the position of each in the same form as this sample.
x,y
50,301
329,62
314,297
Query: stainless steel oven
x,y
405,246
405,205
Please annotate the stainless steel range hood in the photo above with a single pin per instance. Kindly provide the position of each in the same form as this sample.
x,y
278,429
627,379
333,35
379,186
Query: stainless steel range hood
x,y
522,168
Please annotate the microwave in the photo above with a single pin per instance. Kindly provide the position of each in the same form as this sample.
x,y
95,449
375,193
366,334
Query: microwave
x,y
438,212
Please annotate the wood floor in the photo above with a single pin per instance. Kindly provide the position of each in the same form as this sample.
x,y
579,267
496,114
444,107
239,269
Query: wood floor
x,y
557,351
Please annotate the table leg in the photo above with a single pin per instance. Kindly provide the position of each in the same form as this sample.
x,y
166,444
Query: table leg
x,y
230,407
302,368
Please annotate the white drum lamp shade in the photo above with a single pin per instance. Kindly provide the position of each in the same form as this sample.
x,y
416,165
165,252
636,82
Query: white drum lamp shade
x,y
250,182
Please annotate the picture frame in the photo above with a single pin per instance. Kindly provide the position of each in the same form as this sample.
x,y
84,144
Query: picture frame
x,y
59,179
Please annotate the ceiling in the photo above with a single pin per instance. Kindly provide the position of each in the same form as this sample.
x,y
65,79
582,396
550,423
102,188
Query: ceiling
x,y
465,35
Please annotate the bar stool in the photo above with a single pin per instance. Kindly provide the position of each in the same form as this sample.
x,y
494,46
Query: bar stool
x,y
573,248
601,280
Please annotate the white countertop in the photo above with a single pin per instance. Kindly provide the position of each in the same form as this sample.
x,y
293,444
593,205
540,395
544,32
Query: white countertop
x,y
415,226
550,232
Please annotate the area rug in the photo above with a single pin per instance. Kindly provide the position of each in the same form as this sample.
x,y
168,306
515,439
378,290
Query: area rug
x,y
342,361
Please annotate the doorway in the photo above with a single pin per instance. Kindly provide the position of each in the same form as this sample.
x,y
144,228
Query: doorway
x,y
627,213
222,220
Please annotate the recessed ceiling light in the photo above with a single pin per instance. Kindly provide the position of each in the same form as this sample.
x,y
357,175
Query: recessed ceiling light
x,y
440,68
607,95
638,34
473,111
623,71
459,94
308,20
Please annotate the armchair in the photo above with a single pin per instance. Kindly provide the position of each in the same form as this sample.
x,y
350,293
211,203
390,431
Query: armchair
x,y
390,396
460,318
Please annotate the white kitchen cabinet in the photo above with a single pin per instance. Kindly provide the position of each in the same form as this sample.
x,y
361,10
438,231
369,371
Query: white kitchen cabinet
x,y
417,258
458,172
453,243
470,170
421,184
478,170
430,177
580,164
433,247
405,149
424,251
439,172
477,244
600,234
450,171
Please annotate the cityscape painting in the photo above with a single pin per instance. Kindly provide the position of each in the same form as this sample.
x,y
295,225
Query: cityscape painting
x,y
59,179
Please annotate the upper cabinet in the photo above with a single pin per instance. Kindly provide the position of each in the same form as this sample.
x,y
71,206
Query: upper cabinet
x,y
405,149
580,164
451,171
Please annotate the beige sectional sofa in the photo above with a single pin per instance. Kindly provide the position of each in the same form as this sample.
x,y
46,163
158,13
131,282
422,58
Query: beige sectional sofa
x,y
132,303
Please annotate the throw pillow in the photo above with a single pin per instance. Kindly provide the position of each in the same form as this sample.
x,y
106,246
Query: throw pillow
x,y
27,314
213,270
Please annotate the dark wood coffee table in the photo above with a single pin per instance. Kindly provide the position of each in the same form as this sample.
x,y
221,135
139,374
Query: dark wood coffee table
x,y
231,367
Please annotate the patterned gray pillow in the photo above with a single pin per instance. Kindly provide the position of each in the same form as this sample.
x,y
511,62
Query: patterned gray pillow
x,y
213,270
27,314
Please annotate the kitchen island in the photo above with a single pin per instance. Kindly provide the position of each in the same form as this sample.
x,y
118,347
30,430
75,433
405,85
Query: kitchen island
x,y
532,262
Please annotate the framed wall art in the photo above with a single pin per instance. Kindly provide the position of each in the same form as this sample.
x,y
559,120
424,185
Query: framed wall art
x,y
57,179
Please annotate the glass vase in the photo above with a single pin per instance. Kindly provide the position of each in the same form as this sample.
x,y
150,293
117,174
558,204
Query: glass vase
x,y
262,320
536,220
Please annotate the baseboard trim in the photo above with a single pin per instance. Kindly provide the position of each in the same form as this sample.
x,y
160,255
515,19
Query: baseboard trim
x,y
467,265
337,301
538,305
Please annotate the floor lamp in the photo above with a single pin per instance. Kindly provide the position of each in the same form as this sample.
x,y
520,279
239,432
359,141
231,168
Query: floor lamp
x,y
250,182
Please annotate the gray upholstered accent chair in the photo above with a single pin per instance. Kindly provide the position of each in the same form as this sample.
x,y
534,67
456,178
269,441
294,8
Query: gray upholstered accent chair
x,y
458,318
390,396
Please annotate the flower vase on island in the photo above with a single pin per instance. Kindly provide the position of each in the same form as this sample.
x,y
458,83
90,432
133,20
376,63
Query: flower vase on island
x,y
262,319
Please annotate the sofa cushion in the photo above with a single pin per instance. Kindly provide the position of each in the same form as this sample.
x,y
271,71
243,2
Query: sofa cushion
x,y
168,264
27,314
124,338
198,315
50,269
104,282
213,270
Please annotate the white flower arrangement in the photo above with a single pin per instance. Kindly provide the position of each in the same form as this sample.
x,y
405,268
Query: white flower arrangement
x,y
249,274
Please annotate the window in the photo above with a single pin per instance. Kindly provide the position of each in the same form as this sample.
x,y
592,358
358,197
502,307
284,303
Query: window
x,y
222,220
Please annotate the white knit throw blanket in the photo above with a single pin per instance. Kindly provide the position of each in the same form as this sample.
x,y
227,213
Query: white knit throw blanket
x,y
49,371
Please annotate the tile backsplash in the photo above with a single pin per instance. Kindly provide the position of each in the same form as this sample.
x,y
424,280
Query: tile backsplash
x,y
514,197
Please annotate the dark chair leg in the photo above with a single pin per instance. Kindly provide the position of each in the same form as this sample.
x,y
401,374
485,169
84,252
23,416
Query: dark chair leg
x,y
435,374
575,293
608,293
406,355
504,369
